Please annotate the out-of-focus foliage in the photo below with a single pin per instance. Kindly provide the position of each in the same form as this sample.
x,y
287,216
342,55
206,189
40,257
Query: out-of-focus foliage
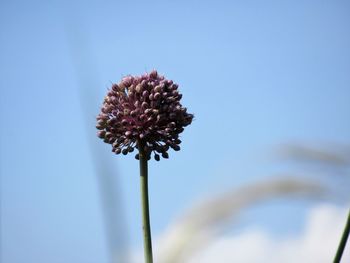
x,y
197,227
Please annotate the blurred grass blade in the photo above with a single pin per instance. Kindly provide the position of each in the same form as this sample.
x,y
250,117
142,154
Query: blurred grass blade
x,y
106,174
332,156
194,229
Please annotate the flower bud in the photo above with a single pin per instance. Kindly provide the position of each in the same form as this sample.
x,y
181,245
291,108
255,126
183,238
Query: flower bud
x,y
156,157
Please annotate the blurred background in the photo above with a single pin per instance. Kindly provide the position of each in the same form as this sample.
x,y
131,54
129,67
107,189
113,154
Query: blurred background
x,y
264,170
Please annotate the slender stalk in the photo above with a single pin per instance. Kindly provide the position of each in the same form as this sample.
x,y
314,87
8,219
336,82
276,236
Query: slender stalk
x,y
147,240
343,240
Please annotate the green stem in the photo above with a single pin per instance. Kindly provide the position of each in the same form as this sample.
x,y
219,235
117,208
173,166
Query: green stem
x,y
147,240
343,240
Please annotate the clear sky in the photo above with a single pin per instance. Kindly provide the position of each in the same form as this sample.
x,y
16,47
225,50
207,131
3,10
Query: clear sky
x,y
256,74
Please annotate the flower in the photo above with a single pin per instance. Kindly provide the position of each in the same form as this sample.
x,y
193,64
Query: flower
x,y
143,111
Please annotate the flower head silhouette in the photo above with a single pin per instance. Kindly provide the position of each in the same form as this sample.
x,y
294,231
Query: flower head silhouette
x,y
143,111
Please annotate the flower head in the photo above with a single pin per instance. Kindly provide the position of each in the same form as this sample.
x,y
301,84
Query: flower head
x,y
143,111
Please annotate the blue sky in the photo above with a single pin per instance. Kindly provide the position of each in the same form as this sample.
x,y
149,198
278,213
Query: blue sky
x,y
255,74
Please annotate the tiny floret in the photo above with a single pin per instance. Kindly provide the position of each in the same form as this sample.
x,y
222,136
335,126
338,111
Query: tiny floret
x,y
143,111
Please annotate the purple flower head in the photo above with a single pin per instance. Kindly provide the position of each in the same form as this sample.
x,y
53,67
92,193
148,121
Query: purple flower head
x,y
143,111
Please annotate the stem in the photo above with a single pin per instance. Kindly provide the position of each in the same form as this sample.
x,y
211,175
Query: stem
x,y
343,240
147,240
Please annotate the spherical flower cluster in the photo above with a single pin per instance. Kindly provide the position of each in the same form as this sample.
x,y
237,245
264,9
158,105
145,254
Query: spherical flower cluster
x,y
143,111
